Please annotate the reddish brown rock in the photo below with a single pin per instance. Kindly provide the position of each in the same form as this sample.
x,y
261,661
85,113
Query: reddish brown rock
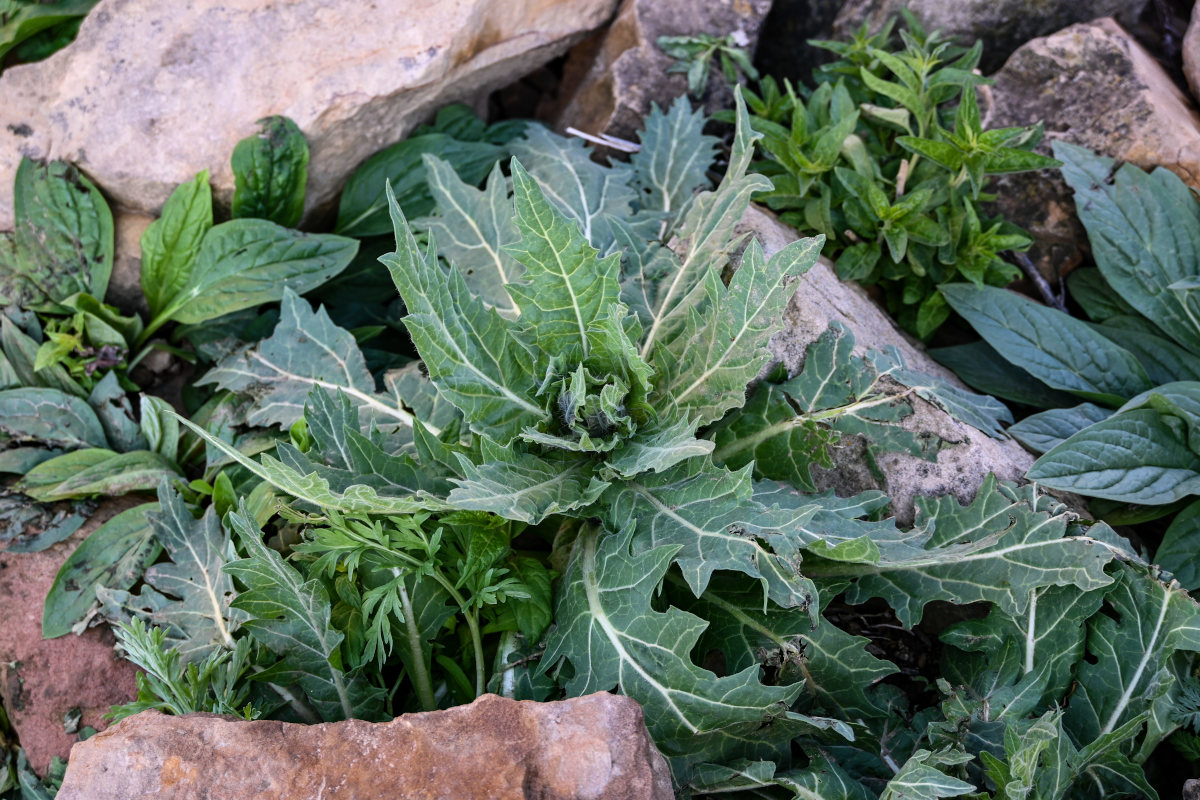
x,y
611,79
41,680
1092,85
586,748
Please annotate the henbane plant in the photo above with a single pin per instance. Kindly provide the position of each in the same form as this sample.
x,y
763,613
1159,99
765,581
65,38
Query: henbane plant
x,y
584,360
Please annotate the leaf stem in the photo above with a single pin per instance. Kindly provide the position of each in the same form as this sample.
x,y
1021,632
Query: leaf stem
x,y
420,675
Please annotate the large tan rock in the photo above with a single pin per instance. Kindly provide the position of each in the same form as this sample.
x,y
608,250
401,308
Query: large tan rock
x,y
587,748
1002,25
41,680
1092,85
151,92
610,81
1191,53
968,454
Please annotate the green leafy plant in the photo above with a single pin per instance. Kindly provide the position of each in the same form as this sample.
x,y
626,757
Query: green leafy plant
x,y
888,157
695,56
1134,364
579,405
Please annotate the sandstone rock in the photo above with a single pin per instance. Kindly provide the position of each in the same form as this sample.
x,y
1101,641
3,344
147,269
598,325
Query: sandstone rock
x,y
1003,25
41,680
1191,790
969,455
150,93
611,79
1092,85
586,748
1191,53
125,285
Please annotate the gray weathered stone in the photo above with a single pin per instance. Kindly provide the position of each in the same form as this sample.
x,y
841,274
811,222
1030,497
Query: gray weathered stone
x,y
1094,86
968,456
586,748
150,92
1003,25
611,79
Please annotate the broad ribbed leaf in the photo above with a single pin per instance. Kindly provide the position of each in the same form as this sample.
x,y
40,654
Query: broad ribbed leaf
x,y
472,354
1000,548
306,351
97,472
270,173
705,367
709,231
1129,654
1144,231
172,242
473,228
612,637
1047,430
114,555
1048,637
565,286
1088,288
50,417
1163,360
1136,456
674,157
1062,352
788,428
822,779
922,779
985,370
706,514
526,487
63,238
314,489
363,209
1179,547
658,450
194,595
290,616
586,192
979,411
246,262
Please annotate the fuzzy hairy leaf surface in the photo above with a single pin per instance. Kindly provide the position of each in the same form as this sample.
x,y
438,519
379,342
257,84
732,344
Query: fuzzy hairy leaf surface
x,y
1000,548
190,595
612,637
305,352
473,355
565,285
